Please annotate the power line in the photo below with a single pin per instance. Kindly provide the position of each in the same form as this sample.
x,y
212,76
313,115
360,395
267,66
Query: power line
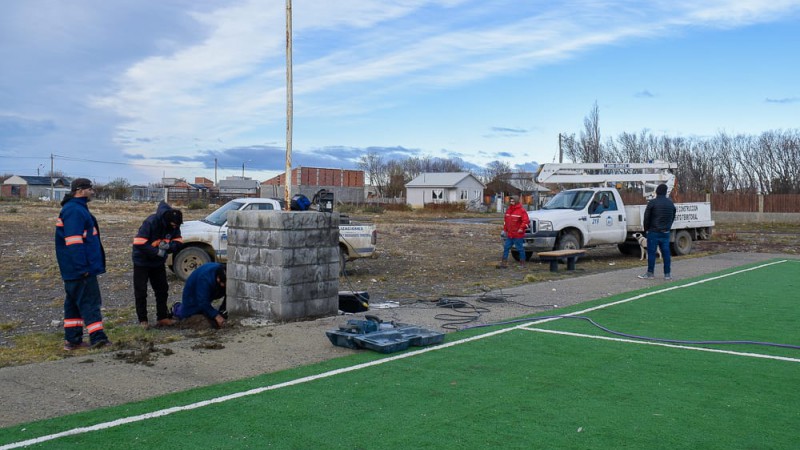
x,y
159,166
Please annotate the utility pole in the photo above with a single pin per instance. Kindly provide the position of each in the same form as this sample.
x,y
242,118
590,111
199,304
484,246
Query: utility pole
x,y
52,188
288,186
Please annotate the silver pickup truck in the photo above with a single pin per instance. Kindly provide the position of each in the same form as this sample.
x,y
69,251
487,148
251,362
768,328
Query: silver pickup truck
x,y
207,239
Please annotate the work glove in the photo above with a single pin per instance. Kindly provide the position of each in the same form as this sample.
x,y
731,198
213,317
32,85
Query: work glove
x,y
503,234
163,246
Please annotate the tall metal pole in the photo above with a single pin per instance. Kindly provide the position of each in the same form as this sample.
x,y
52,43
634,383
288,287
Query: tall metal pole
x,y
288,186
52,174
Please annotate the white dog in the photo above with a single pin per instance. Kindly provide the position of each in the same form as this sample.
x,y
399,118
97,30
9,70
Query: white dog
x,y
643,245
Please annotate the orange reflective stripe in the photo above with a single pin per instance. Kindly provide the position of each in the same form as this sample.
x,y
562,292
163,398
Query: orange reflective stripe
x,y
156,242
70,240
94,231
97,326
59,222
69,323
179,239
139,240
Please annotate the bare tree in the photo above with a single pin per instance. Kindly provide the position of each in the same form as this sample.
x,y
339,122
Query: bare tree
x,y
372,164
494,170
118,189
590,136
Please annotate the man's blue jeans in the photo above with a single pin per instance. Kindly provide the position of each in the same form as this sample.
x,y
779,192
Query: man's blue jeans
x,y
658,240
516,243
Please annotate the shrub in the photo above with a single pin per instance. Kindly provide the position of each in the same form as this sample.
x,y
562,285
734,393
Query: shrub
x,y
346,208
444,207
401,207
197,204
374,209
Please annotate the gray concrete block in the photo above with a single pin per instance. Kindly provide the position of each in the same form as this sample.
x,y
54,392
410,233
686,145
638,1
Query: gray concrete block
x,y
283,266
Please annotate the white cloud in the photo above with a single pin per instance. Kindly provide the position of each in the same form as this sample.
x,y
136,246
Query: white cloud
x,y
349,55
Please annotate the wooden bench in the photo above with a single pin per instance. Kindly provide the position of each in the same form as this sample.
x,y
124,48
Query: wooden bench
x,y
570,255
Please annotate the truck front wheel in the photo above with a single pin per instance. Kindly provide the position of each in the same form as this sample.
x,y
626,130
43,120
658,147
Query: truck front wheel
x,y
682,244
568,241
188,259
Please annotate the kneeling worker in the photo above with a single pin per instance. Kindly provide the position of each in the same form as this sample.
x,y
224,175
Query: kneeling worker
x,y
204,285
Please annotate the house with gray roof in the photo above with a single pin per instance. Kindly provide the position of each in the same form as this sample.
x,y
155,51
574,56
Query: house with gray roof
x,y
25,186
445,187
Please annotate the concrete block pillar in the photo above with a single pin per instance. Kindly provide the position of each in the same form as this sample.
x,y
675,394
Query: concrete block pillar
x,y
283,265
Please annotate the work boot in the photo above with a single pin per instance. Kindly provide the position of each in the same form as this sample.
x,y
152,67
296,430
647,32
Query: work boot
x,y
166,322
102,343
144,324
69,346
503,264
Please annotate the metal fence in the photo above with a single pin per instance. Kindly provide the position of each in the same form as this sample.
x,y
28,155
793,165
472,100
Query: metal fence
x,y
731,201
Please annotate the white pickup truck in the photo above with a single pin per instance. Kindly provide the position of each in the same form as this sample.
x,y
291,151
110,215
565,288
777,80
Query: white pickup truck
x,y
587,217
207,239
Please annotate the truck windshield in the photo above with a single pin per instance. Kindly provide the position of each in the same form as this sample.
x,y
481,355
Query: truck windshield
x,y
219,216
576,200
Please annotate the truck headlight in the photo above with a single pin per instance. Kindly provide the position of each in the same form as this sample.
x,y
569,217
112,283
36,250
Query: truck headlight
x,y
545,225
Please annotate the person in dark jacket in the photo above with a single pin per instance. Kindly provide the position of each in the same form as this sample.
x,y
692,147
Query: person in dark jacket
x,y
159,235
81,259
204,285
514,224
658,217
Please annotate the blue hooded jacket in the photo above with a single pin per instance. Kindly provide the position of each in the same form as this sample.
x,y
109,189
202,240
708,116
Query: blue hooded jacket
x,y
200,290
78,248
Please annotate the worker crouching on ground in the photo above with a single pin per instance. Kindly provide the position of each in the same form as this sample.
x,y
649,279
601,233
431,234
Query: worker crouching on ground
x,y
514,225
159,235
204,285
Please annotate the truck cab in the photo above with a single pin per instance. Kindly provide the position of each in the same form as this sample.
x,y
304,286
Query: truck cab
x,y
577,218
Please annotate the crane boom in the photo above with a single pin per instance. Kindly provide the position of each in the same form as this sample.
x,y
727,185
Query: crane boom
x,y
645,175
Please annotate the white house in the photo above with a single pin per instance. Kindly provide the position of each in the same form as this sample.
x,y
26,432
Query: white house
x,y
23,186
446,187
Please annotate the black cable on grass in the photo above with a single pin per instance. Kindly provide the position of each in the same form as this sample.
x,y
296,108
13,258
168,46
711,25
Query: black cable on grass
x,y
642,338
463,312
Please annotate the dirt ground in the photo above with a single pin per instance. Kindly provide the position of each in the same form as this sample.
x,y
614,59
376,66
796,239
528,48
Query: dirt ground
x,y
421,259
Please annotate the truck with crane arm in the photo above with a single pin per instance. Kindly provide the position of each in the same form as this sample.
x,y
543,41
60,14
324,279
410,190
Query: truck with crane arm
x,y
596,215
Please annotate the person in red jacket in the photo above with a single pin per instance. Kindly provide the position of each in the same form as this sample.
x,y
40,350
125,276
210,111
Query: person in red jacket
x,y
514,225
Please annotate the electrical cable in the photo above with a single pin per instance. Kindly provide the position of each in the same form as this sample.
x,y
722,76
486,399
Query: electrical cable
x,y
638,337
463,312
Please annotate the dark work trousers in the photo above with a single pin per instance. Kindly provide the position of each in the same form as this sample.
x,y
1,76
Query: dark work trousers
x,y
82,309
158,280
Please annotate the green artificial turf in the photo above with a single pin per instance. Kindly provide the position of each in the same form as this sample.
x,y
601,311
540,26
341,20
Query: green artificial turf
x,y
516,389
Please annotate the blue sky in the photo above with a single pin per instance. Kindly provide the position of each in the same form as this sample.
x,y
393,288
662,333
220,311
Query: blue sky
x,y
141,89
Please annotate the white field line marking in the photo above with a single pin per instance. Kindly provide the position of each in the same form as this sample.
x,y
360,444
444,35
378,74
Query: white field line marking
x,y
663,344
168,411
648,294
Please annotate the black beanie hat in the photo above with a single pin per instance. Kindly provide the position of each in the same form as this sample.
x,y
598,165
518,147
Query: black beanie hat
x,y
80,183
